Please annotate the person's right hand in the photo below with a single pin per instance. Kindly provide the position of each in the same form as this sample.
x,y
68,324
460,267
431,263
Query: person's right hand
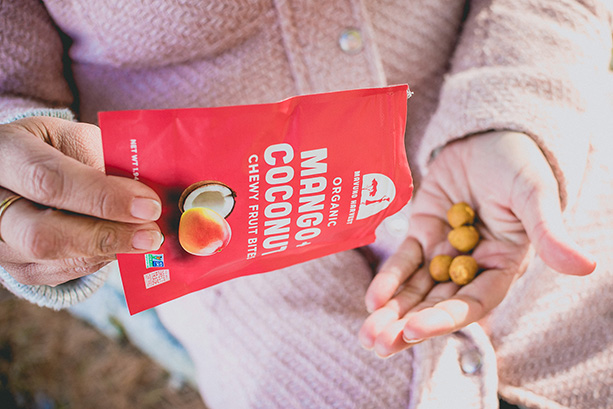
x,y
73,219
505,177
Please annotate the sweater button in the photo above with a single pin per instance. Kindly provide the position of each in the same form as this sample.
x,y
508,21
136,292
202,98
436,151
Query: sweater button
x,y
351,41
470,362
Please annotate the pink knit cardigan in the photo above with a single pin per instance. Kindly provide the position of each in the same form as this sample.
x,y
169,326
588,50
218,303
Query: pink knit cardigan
x,y
535,66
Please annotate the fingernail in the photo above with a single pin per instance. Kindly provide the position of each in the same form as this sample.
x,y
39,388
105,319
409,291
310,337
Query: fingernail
x,y
366,342
593,260
147,240
410,338
382,354
412,341
146,209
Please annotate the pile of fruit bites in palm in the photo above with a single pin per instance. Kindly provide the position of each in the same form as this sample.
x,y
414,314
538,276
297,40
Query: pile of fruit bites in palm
x,y
464,237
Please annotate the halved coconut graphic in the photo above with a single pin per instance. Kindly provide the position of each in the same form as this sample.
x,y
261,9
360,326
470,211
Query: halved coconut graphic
x,y
211,194
203,229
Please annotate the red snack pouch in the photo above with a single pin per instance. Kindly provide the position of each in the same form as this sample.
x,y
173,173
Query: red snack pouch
x,y
254,188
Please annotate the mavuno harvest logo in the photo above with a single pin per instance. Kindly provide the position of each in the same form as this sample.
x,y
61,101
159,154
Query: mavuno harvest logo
x,y
378,191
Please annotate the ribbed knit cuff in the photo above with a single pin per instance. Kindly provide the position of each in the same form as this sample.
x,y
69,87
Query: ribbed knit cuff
x,y
63,295
549,109
62,113
59,297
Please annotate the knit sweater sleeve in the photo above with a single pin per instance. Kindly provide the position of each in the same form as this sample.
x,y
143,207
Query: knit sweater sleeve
x,y
529,66
32,82
31,61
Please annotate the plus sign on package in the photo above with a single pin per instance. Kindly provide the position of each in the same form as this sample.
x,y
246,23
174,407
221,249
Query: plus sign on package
x,y
254,188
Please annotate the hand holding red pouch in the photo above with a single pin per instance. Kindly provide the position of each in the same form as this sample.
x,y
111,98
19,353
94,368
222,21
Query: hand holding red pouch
x,y
254,188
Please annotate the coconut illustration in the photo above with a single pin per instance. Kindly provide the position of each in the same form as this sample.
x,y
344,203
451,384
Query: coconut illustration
x,y
214,195
203,229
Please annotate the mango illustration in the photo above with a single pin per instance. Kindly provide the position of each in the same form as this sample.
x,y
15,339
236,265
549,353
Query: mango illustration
x,y
203,231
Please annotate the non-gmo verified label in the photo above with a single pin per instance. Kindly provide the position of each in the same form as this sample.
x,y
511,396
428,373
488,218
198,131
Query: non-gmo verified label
x,y
154,260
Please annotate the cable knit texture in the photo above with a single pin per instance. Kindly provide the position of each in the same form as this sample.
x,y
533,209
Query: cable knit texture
x,y
287,339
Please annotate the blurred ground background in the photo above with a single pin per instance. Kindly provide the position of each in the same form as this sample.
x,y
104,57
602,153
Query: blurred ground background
x,y
52,360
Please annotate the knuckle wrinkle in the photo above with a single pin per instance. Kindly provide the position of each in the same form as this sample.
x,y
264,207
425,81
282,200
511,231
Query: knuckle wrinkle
x,y
45,181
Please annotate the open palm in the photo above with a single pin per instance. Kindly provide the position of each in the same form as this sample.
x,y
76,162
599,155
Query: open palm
x,y
507,180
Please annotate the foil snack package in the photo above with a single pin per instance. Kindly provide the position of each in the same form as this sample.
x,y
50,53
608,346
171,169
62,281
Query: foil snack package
x,y
254,188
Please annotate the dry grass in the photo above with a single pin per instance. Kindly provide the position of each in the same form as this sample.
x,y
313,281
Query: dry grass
x,y
51,360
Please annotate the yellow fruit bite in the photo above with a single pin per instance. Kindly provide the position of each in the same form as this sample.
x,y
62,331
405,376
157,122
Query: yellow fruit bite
x,y
464,238
463,269
203,231
439,267
460,214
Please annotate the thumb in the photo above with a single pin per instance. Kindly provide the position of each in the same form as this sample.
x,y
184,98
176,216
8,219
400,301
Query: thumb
x,y
544,225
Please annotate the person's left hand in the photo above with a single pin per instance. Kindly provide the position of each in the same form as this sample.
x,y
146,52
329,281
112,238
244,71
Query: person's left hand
x,y
507,180
71,219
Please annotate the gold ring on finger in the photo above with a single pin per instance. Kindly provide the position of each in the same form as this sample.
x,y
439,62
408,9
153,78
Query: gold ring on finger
x,y
5,205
